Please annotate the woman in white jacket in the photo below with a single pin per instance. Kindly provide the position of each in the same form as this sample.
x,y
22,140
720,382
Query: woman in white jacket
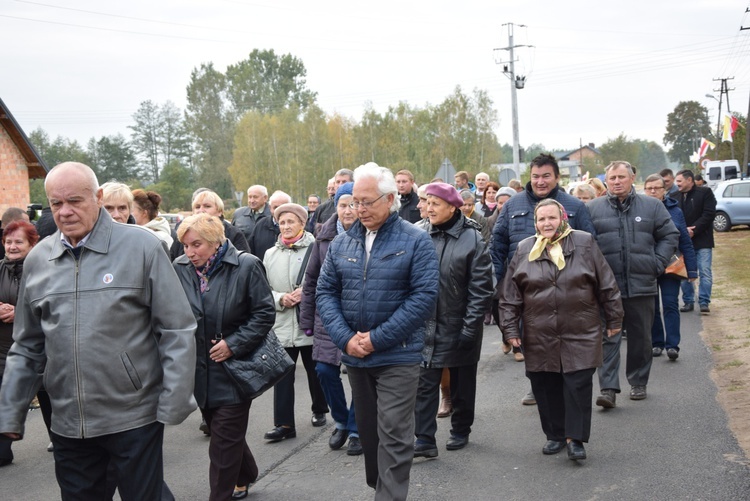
x,y
285,263
146,214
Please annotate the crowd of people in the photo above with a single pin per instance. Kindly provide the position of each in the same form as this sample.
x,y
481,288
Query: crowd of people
x,y
386,281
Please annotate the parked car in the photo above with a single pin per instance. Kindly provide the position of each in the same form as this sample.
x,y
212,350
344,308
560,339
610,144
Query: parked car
x,y
732,204
173,219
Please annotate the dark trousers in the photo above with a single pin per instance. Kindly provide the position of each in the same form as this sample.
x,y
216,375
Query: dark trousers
x,y
564,403
670,289
384,399
283,391
6,454
81,464
639,318
232,463
463,381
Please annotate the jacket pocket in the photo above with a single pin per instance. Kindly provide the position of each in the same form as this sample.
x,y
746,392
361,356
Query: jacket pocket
x,y
130,369
518,221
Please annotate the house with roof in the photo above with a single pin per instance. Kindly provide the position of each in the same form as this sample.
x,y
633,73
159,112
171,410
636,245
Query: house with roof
x,y
574,164
19,162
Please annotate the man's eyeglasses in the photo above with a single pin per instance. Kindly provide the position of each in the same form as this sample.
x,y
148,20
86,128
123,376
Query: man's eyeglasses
x,y
364,205
653,188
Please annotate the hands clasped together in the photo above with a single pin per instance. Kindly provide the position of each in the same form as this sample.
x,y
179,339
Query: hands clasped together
x,y
360,345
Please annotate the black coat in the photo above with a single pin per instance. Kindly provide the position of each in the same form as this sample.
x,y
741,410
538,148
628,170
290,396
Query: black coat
x,y
464,295
408,209
239,300
245,221
265,234
699,207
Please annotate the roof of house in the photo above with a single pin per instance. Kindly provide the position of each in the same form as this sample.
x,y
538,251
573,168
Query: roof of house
x,y
37,168
565,155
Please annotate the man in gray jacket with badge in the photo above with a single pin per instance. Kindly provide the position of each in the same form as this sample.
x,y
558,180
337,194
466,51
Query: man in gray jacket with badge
x,y
637,237
103,317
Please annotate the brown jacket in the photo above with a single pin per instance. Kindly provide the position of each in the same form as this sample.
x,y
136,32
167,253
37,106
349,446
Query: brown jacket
x,y
562,330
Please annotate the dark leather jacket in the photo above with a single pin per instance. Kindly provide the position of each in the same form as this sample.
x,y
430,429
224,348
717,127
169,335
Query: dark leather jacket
x,y
464,295
560,308
240,296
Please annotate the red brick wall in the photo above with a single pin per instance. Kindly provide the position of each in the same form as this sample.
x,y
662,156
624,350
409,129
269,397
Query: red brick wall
x,y
14,175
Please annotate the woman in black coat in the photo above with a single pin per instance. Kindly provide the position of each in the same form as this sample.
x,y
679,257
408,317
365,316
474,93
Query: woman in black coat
x,y
233,306
453,337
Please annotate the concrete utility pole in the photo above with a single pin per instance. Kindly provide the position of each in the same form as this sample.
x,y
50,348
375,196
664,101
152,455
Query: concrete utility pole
x,y
516,82
747,123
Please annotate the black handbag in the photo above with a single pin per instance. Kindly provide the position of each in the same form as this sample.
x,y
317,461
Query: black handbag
x,y
262,368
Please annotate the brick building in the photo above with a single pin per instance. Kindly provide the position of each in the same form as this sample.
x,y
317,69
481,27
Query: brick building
x,y
19,162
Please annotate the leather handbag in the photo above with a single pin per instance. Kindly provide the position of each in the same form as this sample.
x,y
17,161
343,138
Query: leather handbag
x,y
261,368
676,267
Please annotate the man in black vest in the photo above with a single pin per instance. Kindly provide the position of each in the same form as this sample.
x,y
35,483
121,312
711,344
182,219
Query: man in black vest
x,y
408,196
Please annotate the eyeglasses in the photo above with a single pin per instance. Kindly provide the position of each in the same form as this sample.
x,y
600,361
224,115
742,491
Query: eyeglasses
x,y
654,188
364,205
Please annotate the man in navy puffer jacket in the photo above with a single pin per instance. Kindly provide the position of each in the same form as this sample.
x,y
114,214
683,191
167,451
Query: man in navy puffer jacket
x,y
377,287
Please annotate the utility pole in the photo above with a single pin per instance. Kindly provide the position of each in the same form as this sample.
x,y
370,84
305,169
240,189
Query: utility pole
x,y
516,82
746,164
723,90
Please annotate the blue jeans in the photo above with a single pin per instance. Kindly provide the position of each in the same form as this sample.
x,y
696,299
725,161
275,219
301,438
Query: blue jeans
x,y
330,380
670,289
706,280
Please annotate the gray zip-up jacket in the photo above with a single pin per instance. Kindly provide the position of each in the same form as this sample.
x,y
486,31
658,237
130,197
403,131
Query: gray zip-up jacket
x,y
112,333
637,237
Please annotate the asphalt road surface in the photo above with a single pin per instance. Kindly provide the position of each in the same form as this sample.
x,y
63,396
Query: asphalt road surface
x,y
674,445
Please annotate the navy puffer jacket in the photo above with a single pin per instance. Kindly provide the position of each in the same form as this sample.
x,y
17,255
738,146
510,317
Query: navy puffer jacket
x,y
391,295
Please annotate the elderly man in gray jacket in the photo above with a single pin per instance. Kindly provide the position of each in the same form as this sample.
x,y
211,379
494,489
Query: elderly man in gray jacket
x,y
103,316
637,237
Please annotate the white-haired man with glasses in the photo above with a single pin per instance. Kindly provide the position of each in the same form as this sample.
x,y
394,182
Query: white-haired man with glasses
x,y
386,261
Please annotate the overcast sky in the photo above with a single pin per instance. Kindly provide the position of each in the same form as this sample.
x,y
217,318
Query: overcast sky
x,y
80,68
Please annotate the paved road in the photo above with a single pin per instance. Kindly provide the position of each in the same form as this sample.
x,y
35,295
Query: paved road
x,y
674,445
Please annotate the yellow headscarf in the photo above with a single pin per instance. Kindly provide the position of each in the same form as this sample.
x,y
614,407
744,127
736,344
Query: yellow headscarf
x,y
555,249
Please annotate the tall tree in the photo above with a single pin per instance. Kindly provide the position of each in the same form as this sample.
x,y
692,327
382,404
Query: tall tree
x,y
113,159
621,148
685,126
267,83
146,134
651,157
211,125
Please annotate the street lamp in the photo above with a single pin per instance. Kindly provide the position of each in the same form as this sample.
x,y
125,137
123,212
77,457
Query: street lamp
x,y
718,126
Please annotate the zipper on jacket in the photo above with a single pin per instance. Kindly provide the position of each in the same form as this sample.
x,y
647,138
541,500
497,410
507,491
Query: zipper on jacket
x,y
76,361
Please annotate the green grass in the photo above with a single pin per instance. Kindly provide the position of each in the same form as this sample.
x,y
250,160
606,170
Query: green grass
x,y
730,365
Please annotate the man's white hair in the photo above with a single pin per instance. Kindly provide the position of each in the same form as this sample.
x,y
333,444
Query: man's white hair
x,y
385,179
278,194
260,187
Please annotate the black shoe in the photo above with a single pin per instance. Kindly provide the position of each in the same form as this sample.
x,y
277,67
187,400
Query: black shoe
x,y
204,428
608,399
425,450
280,433
354,448
673,354
638,392
5,462
338,439
657,351
705,308
318,420
241,494
576,450
456,442
553,447
687,307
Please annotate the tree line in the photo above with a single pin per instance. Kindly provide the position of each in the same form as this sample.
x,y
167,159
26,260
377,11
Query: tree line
x,y
259,123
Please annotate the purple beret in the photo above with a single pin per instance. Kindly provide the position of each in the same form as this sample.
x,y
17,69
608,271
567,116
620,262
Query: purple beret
x,y
446,192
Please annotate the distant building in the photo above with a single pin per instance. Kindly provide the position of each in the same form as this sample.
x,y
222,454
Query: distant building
x,y
574,164
19,162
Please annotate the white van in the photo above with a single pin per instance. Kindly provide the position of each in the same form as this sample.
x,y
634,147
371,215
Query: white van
x,y
715,171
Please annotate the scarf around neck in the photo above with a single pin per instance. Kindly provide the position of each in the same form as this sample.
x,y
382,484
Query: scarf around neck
x,y
205,271
554,249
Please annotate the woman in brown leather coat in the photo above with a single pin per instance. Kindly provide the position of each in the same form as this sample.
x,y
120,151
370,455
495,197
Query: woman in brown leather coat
x,y
556,284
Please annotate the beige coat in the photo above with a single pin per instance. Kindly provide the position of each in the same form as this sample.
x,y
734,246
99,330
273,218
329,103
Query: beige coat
x,y
282,267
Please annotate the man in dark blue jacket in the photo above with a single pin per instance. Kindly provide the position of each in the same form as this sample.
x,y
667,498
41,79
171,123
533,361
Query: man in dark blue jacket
x,y
377,287
516,219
